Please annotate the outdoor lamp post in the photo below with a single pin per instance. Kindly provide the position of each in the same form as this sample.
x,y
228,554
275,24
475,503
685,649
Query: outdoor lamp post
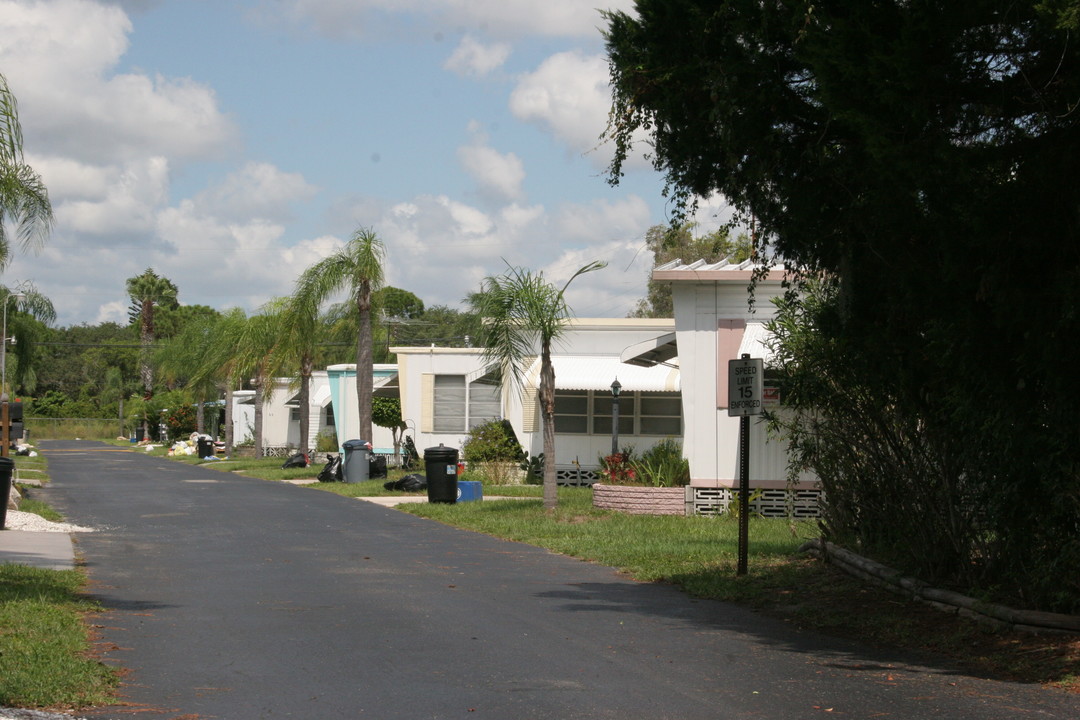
x,y
616,388
3,350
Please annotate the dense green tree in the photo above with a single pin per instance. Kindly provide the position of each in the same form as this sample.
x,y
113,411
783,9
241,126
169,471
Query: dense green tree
x,y
358,269
81,355
523,314
679,243
920,156
396,303
24,200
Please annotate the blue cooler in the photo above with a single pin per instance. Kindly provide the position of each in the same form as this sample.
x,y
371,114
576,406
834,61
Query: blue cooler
x,y
468,490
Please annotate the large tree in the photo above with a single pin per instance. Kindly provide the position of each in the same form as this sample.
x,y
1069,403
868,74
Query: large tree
x,y
679,243
357,269
920,156
24,199
524,313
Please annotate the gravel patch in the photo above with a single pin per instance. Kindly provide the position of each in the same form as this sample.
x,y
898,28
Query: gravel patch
x,y
16,714
19,520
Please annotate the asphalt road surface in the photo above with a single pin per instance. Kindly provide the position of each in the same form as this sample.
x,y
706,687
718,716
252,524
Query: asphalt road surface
x,y
232,598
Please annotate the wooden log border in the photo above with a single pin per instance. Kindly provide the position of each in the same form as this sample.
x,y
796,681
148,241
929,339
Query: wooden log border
x,y
998,616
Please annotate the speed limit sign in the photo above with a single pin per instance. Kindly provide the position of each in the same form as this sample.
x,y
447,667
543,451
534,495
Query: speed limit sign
x,y
745,381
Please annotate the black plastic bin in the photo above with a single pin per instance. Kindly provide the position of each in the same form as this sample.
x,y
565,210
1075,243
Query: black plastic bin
x,y
204,447
7,467
440,466
355,462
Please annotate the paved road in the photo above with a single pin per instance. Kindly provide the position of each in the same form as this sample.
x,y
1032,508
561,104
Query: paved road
x,y
235,598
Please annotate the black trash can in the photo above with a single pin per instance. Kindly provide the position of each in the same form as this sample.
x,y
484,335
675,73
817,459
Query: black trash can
x,y
204,446
7,468
440,465
355,463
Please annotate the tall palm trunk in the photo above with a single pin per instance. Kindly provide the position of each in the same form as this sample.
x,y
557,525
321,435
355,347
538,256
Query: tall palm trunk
x,y
307,367
228,417
146,370
547,412
260,391
363,362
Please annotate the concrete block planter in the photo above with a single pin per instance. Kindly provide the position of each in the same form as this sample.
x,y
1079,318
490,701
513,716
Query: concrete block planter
x,y
637,500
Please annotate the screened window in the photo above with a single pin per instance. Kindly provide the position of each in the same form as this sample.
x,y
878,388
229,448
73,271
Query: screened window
x,y
485,401
584,412
449,415
572,412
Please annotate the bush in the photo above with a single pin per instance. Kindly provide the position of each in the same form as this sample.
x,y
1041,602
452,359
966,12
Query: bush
x,y
492,441
663,465
618,469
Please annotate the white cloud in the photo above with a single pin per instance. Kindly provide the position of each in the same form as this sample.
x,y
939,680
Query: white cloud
x,y
498,175
474,58
122,201
569,95
502,18
256,190
60,57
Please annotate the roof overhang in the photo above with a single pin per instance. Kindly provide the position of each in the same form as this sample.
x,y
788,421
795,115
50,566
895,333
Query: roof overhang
x,y
598,372
655,351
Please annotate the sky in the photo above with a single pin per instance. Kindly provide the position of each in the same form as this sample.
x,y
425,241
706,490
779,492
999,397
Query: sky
x,y
231,144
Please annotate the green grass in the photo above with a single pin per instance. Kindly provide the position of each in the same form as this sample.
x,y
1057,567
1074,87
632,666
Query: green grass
x,y
700,554
47,659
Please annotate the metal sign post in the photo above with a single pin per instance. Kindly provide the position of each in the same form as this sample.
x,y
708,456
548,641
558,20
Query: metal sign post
x,y
745,382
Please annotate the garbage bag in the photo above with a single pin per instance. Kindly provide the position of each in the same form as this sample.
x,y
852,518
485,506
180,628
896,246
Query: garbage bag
x,y
332,472
409,483
376,466
299,460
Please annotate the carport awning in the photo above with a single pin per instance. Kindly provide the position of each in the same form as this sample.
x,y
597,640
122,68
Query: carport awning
x,y
591,372
654,351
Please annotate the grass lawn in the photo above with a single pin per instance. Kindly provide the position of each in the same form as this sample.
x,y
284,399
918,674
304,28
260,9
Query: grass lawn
x,y
46,659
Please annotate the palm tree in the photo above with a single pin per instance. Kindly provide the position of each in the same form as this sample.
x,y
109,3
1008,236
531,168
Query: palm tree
x,y
300,332
521,311
148,291
23,197
26,325
254,344
357,268
219,361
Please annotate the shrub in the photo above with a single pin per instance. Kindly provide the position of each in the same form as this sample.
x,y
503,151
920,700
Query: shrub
x,y
492,441
663,465
617,468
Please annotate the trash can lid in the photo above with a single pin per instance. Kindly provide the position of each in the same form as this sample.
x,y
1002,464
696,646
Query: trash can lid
x,y
353,444
441,453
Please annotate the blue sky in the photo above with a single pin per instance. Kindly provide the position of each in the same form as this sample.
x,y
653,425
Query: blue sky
x,y
229,145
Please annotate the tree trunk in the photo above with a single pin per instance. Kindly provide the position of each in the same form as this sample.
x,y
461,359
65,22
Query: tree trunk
x,y
547,411
259,390
364,366
228,418
200,421
307,366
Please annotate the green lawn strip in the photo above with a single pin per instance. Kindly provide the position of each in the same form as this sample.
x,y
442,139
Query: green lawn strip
x,y
46,658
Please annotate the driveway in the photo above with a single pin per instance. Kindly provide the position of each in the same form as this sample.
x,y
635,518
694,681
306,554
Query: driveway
x,y
235,598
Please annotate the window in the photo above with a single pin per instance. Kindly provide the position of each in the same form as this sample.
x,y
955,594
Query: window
x,y
329,416
582,412
449,403
572,411
485,401
459,406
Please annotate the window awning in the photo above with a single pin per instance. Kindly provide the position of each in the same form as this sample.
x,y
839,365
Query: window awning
x,y
655,351
753,342
591,372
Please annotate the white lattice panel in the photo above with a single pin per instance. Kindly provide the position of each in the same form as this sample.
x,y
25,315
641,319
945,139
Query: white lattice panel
x,y
771,503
